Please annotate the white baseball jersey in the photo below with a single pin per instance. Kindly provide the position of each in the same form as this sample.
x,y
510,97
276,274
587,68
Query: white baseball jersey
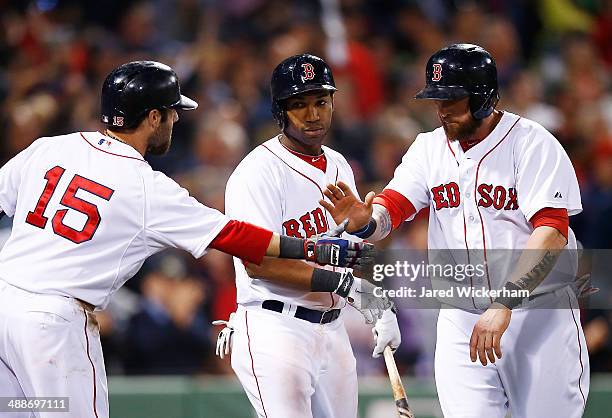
x,y
483,198
88,210
314,364
275,189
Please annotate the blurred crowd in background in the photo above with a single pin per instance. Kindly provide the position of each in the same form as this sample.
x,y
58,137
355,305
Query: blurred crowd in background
x,y
553,56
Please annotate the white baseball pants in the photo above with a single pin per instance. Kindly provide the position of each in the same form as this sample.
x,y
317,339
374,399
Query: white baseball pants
x,y
543,372
50,347
293,368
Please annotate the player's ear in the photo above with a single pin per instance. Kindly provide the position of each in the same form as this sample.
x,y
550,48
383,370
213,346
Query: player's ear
x,y
154,118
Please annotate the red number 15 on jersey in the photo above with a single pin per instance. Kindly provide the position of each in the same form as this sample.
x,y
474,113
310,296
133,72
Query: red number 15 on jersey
x,y
69,200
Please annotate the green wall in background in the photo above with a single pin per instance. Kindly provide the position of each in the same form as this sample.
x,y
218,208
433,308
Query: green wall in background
x,y
216,397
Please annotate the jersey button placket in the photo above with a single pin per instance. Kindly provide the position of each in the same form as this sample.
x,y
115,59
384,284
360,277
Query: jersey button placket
x,y
469,207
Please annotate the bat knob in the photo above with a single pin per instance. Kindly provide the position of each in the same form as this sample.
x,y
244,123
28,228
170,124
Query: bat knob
x,y
403,409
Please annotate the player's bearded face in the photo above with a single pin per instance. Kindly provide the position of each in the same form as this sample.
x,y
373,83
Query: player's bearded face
x,y
309,117
161,138
456,119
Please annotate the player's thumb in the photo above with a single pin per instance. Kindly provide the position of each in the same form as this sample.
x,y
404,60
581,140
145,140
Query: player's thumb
x,y
369,199
378,344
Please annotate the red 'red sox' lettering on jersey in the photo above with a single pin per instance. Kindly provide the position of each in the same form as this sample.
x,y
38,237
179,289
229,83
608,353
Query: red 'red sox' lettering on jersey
x,y
311,223
446,195
501,198
497,196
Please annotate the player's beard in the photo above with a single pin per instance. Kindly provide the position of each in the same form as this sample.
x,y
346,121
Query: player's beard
x,y
159,142
462,131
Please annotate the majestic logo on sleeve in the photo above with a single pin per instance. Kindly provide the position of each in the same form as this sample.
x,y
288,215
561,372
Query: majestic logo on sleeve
x,y
437,72
308,72
307,225
448,195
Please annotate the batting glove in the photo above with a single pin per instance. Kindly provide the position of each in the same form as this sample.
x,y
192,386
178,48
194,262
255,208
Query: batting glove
x,y
386,333
224,339
360,294
329,248
584,287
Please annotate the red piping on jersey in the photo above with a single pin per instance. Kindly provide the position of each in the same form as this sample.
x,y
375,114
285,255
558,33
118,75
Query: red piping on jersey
x,y
320,191
300,173
320,162
467,248
92,365
451,150
484,243
579,350
331,295
111,153
468,257
246,320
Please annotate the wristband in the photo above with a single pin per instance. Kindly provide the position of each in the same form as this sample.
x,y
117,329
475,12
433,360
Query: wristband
x,y
510,302
345,284
290,247
367,230
324,280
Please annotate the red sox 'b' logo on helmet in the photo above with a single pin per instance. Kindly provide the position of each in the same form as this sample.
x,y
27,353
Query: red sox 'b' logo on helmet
x,y
308,72
437,72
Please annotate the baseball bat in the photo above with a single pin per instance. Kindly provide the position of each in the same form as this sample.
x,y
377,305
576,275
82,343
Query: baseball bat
x,y
399,394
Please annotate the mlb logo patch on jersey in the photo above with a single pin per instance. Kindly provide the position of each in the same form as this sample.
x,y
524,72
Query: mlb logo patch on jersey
x,y
104,142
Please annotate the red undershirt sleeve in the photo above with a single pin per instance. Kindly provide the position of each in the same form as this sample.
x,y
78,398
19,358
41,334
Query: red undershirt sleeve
x,y
397,205
554,217
243,240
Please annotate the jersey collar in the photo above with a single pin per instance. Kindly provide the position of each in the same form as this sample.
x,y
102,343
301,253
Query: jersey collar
x,y
296,162
110,145
480,149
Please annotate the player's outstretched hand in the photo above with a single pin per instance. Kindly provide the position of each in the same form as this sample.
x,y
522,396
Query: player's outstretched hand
x,y
361,294
330,249
486,336
343,204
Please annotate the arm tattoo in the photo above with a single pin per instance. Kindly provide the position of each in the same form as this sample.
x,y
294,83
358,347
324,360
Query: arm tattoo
x,y
532,279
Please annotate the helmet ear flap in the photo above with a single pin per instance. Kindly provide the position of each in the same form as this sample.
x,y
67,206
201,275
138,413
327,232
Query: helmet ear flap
x,y
279,113
481,106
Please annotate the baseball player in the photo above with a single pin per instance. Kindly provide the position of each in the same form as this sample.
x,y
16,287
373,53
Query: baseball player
x,y
88,210
291,351
493,180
